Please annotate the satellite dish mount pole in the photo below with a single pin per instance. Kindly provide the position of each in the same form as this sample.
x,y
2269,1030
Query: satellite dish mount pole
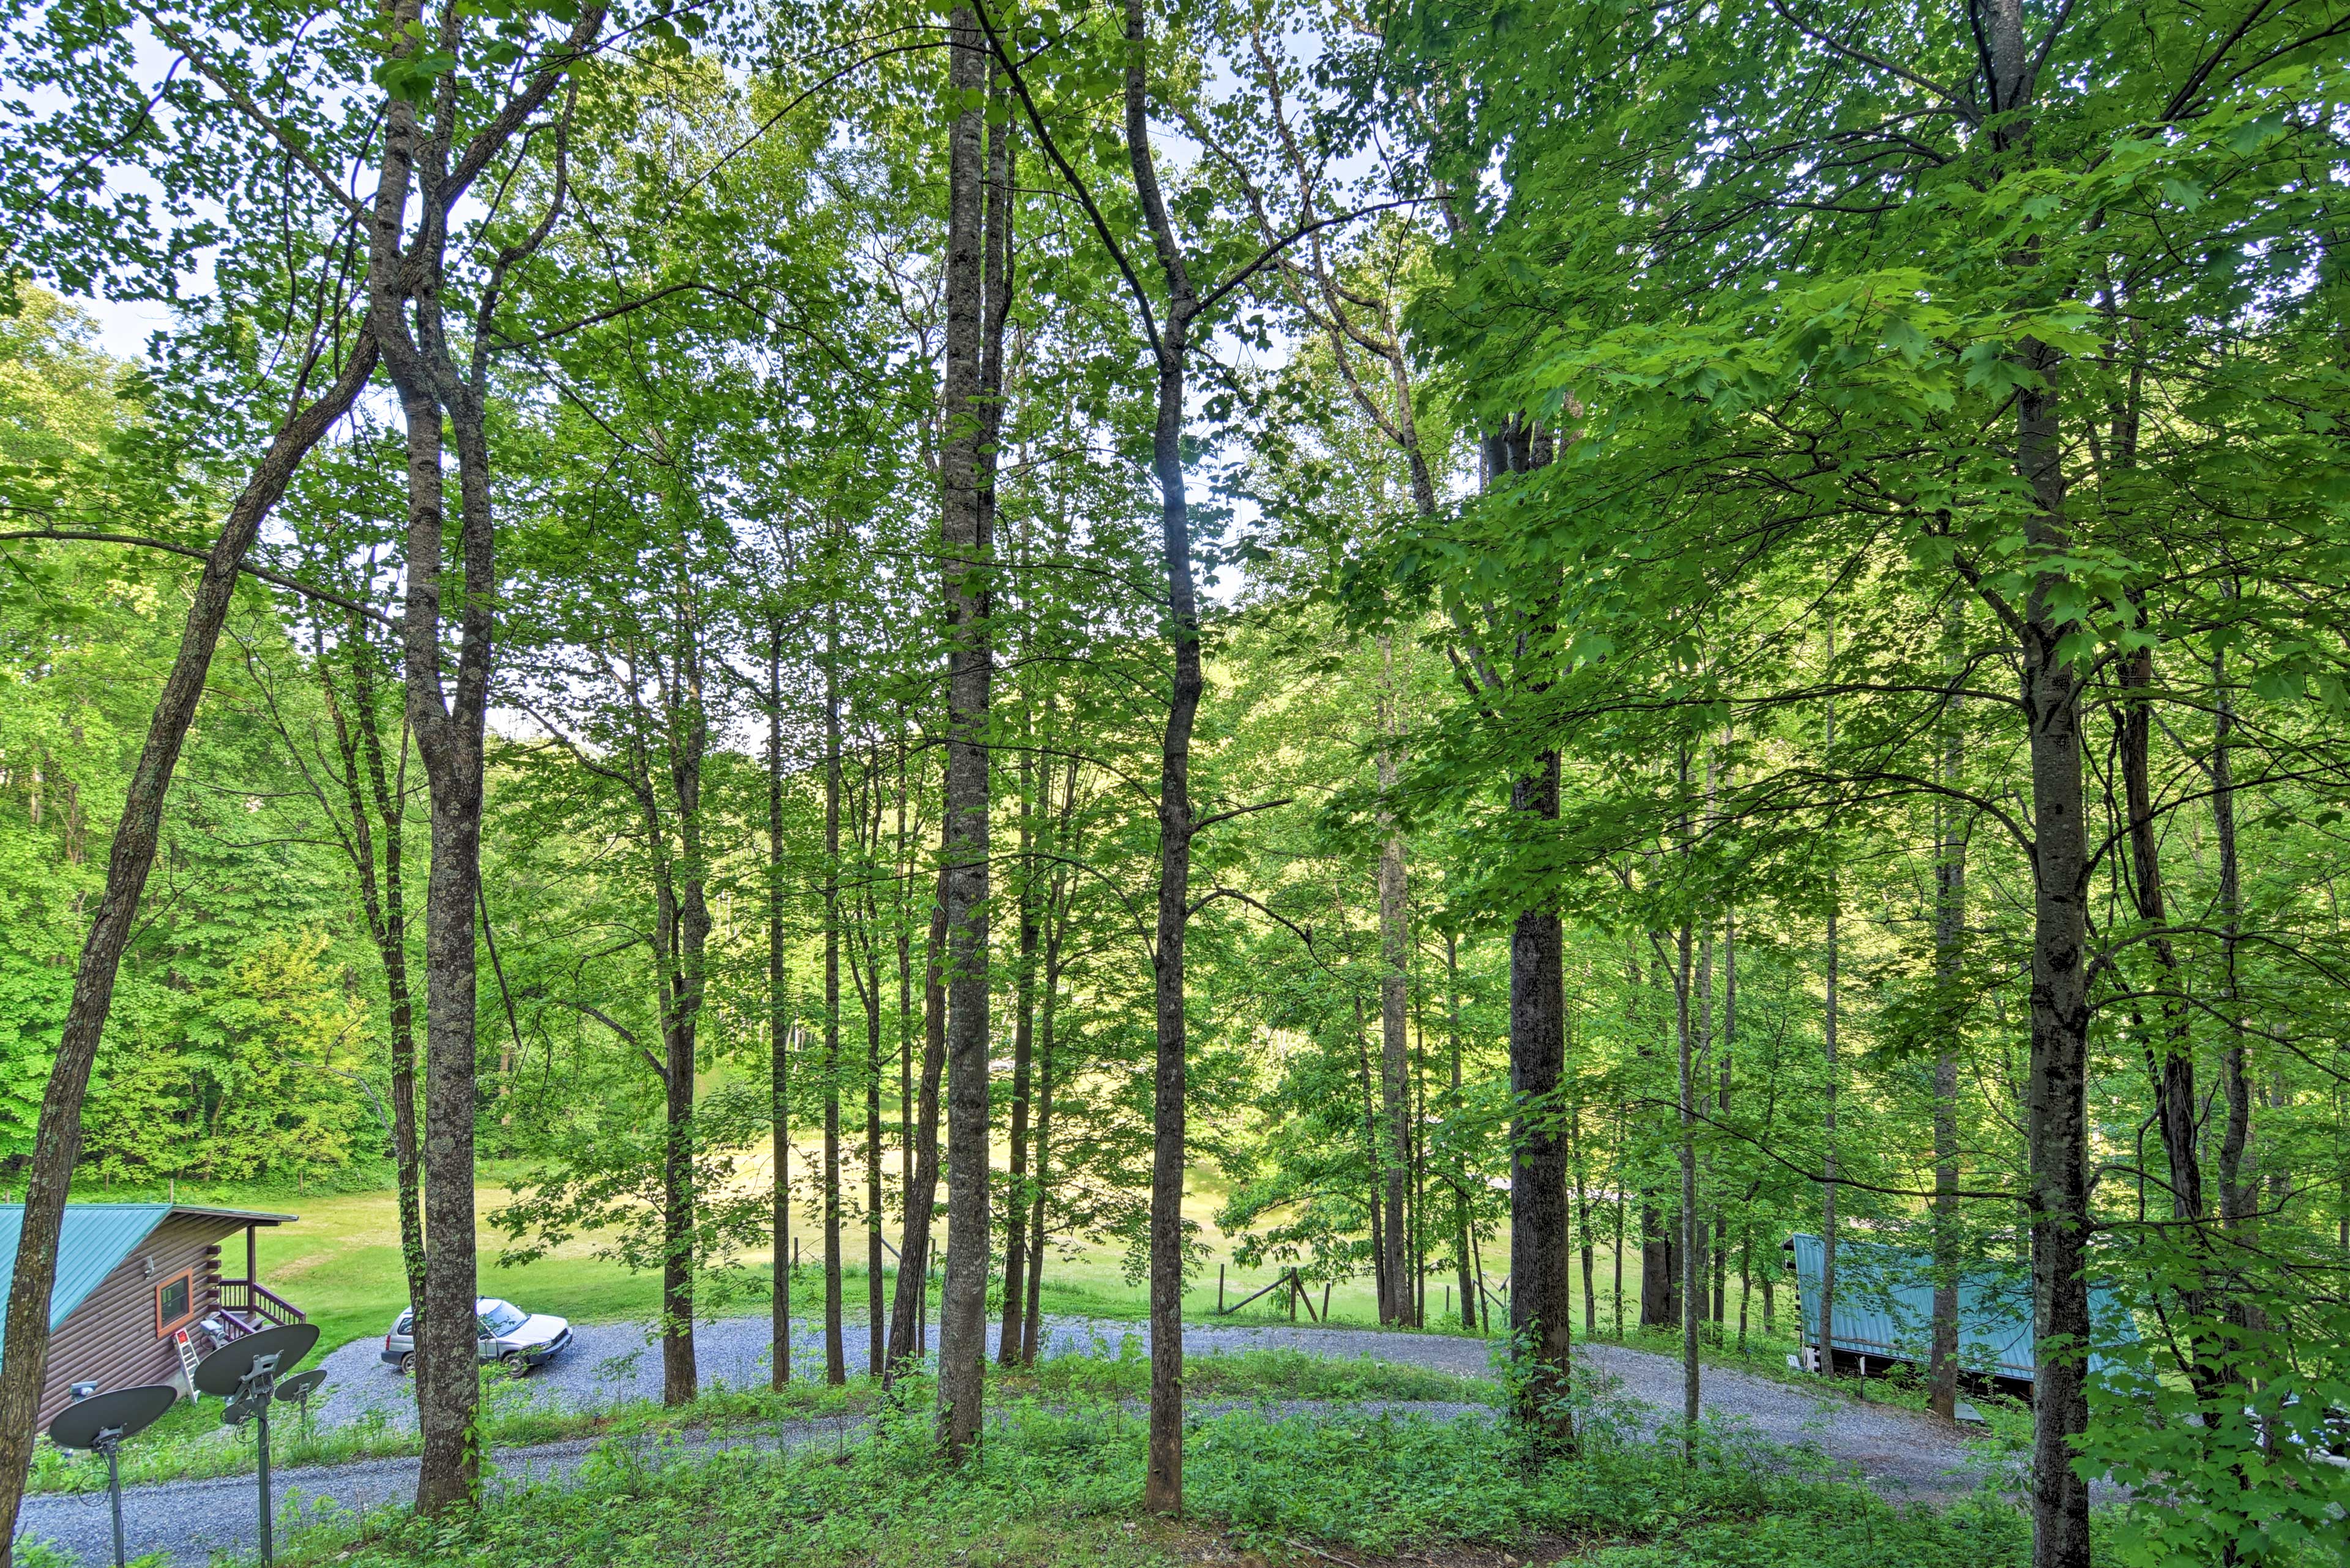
x,y
261,1449
99,1422
256,1387
109,1442
245,1374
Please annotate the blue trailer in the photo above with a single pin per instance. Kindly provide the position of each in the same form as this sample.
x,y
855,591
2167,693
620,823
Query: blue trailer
x,y
1884,1313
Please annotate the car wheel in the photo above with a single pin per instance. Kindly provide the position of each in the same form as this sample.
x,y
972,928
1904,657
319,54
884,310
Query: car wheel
x,y
408,1364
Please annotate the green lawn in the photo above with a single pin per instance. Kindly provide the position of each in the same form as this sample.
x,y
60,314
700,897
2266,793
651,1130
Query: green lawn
x,y
340,1263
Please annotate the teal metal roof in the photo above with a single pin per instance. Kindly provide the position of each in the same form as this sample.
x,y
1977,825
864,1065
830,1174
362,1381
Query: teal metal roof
x,y
1885,1307
95,1239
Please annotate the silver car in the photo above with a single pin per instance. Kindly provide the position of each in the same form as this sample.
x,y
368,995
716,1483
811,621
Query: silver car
x,y
507,1333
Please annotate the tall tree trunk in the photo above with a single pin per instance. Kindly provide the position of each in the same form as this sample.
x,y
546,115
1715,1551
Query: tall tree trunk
x,y
779,1191
2056,1133
1459,1176
1023,1046
1542,1300
1721,1103
1692,1270
2058,1116
836,1353
1830,1165
448,727
1949,955
1032,1320
687,734
1621,1206
903,900
1660,1252
1698,1240
1056,917
1395,951
680,1380
448,1380
907,1306
1834,1084
376,800
1372,1205
1583,1220
1419,1188
2170,1059
876,1321
56,1141
2239,1199
963,1329
1162,1490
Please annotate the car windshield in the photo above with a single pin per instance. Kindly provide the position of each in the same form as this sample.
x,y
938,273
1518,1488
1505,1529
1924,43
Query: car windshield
x,y
502,1317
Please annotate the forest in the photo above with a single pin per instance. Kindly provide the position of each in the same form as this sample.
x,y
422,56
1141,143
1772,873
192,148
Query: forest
x,y
1542,643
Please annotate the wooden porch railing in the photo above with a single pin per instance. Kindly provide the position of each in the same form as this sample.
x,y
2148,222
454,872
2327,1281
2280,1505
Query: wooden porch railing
x,y
247,1307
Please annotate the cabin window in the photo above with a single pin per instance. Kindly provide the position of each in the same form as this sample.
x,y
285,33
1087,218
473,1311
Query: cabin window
x,y
175,1301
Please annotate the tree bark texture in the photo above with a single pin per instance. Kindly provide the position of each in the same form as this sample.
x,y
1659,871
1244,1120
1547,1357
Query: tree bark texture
x,y
1162,1489
1458,1177
907,1306
2056,1118
1692,1300
875,1316
1832,1080
963,1329
448,727
2057,1110
779,1190
1542,1297
2238,1203
1395,952
1950,956
1023,1048
835,1351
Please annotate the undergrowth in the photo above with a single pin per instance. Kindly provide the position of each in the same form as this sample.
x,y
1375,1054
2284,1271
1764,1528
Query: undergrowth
x,y
191,1443
1055,1484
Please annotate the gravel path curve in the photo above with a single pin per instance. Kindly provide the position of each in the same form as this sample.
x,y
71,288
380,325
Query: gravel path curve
x,y
614,1363
1901,1453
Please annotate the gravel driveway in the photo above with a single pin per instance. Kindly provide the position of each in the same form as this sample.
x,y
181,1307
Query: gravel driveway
x,y
1898,1451
614,1363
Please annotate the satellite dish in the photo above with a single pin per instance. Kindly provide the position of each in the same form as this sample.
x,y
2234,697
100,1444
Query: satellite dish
x,y
244,1372
102,1422
295,1389
123,1413
223,1372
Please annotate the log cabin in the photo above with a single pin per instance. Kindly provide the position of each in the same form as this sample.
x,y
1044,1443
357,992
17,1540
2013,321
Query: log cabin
x,y
133,1278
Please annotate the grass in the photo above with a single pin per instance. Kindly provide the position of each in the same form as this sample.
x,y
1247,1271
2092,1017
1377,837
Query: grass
x,y
339,1261
1059,1484
190,1442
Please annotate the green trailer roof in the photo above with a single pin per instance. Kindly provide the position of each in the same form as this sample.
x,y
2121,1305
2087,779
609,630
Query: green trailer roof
x,y
94,1241
1884,1307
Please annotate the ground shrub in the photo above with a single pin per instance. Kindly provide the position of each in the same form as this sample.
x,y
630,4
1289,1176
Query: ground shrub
x,y
1058,1482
